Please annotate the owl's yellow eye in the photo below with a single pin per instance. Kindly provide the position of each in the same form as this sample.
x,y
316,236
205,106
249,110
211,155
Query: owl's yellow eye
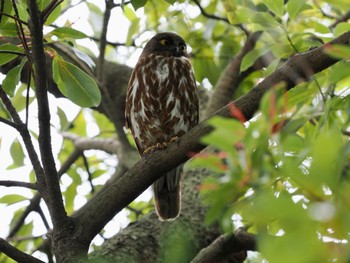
x,y
183,48
164,42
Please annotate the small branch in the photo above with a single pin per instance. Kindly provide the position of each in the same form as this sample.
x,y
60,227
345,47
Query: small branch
x,y
9,123
17,254
35,201
14,18
211,16
11,52
43,217
343,18
48,10
9,107
227,247
109,145
9,183
22,129
86,164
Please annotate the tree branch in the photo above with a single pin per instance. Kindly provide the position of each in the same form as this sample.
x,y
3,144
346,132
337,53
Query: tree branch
x,y
17,254
227,247
50,189
229,81
9,183
119,193
35,201
215,17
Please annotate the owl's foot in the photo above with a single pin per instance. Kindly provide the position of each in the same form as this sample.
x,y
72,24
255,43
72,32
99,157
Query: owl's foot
x,y
174,139
158,146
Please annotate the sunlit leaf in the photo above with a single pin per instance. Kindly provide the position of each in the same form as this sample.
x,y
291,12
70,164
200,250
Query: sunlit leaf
x,y
294,7
12,199
338,51
12,78
74,83
136,4
17,154
67,32
276,6
8,53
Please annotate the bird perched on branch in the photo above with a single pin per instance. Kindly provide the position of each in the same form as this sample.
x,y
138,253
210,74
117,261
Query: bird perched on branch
x,y
162,105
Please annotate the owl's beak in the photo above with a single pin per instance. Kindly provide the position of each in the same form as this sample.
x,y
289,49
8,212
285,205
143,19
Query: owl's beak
x,y
177,52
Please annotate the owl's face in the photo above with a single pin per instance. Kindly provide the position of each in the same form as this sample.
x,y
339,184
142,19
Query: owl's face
x,y
166,43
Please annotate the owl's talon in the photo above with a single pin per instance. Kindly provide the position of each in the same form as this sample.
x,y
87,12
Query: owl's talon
x,y
157,146
174,139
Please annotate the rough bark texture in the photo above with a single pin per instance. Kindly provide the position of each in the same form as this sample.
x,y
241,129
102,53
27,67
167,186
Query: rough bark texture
x,y
148,239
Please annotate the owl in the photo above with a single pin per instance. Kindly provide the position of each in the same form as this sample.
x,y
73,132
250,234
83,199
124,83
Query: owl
x,y
162,105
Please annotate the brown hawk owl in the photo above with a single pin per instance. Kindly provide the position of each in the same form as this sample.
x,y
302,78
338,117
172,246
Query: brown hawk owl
x,y
162,105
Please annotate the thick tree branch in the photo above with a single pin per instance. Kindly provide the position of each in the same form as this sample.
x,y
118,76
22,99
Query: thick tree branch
x,y
230,79
119,193
227,247
16,254
51,185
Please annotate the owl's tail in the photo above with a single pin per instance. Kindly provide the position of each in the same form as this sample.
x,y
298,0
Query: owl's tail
x,y
167,194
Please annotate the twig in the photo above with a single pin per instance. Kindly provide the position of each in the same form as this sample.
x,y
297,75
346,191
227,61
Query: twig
x,y
35,201
211,16
14,18
16,254
48,10
11,52
9,123
86,164
343,18
33,157
9,183
108,105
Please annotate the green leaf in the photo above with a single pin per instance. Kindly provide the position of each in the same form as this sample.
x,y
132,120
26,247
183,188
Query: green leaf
x,y
226,134
6,55
67,32
338,51
63,119
265,20
276,6
170,1
19,100
6,9
84,57
341,28
294,7
75,84
339,72
54,15
136,4
251,57
12,199
12,78
17,155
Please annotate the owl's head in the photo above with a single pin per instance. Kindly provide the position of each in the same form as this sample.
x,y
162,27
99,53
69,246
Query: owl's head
x,y
166,43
